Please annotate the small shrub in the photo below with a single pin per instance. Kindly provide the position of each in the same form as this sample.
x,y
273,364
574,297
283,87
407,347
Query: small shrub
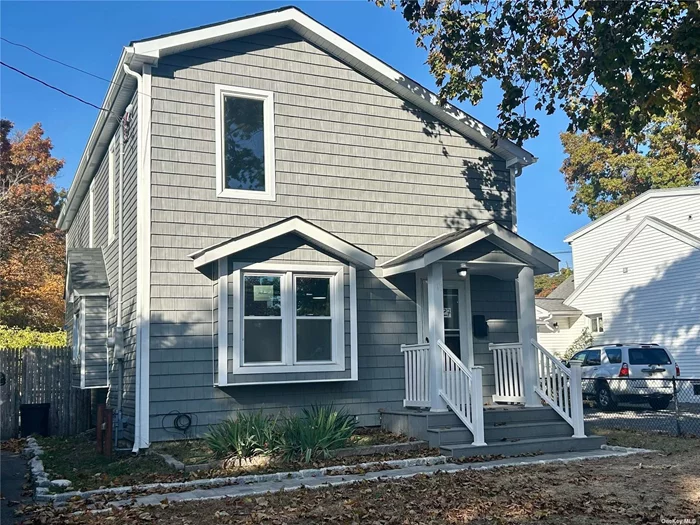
x,y
315,433
26,338
244,437
581,342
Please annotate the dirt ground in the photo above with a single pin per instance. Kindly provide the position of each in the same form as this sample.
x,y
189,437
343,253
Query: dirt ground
x,y
650,488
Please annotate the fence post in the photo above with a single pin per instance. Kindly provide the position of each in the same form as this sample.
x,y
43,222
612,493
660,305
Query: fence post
x,y
477,402
675,403
108,433
576,399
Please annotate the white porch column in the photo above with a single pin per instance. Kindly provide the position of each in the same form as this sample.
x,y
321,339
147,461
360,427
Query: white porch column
x,y
527,329
436,331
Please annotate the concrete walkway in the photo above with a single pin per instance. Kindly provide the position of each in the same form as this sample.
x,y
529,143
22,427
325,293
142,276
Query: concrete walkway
x,y
236,491
12,470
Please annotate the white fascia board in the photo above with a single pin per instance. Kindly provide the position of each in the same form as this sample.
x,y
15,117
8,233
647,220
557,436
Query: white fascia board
x,y
313,234
348,52
649,221
650,194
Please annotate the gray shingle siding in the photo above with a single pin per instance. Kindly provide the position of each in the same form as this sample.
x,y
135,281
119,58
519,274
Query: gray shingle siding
x,y
350,157
78,237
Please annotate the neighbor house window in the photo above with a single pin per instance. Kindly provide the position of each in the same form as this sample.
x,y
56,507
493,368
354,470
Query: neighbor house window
x,y
597,323
291,321
245,163
110,196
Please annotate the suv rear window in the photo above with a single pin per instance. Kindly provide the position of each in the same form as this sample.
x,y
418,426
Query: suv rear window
x,y
649,356
614,355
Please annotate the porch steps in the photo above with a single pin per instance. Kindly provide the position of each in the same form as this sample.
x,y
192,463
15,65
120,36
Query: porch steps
x,y
508,431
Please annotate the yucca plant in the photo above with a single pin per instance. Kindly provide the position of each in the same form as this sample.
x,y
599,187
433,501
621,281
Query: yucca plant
x,y
315,433
243,437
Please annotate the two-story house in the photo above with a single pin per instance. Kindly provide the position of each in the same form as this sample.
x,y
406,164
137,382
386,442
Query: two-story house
x,y
267,216
636,279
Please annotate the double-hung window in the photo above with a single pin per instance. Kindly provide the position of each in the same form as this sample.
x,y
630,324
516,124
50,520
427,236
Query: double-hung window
x,y
290,321
77,335
245,149
597,323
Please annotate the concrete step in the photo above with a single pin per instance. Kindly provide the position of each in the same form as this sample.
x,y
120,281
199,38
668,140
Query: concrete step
x,y
455,434
519,415
530,430
525,446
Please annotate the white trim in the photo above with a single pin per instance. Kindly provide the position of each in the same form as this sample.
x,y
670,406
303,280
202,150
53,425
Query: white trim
x,y
293,381
91,218
309,232
110,195
82,344
106,338
650,194
652,222
223,322
501,237
288,363
267,98
143,256
353,322
468,320
420,302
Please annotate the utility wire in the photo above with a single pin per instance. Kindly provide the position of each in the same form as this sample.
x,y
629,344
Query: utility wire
x,y
61,63
58,89
53,59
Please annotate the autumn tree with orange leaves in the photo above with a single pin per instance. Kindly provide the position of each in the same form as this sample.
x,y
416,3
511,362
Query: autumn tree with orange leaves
x,y
32,249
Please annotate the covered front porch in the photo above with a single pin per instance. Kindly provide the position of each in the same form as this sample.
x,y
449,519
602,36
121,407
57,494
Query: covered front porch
x,y
476,330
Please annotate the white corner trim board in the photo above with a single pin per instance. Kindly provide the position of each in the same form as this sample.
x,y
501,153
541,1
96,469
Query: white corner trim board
x,y
143,256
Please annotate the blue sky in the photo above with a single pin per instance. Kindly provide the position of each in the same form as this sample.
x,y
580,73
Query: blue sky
x,y
90,35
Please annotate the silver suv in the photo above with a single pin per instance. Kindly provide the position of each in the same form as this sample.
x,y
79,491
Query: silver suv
x,y
628,373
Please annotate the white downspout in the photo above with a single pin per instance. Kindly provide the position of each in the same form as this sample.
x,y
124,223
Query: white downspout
x,y
137,425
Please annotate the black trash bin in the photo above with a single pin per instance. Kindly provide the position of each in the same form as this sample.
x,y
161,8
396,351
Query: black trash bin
x,y
35,419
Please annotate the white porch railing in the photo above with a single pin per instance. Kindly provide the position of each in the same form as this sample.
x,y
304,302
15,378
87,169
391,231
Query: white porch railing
x,y
416,360
508,372
560,387
461,389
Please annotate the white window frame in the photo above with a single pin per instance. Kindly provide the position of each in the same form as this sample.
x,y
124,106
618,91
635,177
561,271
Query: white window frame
x,y
267,97
596,323
110,195
335,306
281,317
289,364
77,335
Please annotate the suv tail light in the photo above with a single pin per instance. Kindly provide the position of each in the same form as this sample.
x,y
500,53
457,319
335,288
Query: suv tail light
x,y
624,370
678,370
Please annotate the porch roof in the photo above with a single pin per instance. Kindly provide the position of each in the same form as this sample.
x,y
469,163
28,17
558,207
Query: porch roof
x,y
451,242
312,234
86,273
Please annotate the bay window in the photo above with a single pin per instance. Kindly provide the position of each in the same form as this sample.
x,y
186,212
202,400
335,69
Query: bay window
x,y
290,321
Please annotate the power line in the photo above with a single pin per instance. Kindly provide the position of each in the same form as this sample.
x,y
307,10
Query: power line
x,y
53,59
58,89
63,63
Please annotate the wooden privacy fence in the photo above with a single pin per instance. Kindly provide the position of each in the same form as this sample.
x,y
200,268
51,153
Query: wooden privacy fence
x,y
41,375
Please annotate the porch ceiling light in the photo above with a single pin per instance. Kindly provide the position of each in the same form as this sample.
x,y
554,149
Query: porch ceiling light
x,y
462,271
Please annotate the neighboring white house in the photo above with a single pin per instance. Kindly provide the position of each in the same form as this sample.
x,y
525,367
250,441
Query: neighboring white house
x,y
636,279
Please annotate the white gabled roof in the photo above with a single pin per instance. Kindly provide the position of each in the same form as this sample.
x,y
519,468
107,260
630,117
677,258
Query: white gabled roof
x,y
308,231
653,222
650,194
150,50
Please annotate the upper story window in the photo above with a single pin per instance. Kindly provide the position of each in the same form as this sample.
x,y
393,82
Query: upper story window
x,y
596,323
245,149
77,335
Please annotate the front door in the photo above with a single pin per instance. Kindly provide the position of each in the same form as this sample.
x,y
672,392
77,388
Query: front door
x,y
455,314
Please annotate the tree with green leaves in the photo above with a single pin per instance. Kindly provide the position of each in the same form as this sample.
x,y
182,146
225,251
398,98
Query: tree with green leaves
x,y
547,283
604,173
612,66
